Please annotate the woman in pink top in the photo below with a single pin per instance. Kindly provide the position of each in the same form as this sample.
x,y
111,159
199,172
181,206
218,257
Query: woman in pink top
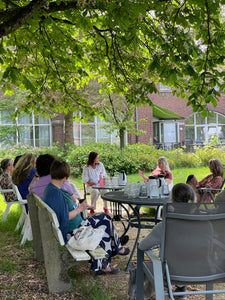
x,y
162,169
212,181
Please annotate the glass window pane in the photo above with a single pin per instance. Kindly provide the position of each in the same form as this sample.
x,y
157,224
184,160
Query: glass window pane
x,y
87,133
156,132
6,118
189,132
76,133
102,135
25,119
201,134
25,135
222,132
42,136
199,119
162,133
41,120
211,119
190,120
221,119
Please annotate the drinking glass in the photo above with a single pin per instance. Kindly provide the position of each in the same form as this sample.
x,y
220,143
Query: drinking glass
x,y
143,190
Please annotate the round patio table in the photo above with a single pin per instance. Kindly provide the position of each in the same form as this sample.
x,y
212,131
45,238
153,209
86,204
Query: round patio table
x,y
137,222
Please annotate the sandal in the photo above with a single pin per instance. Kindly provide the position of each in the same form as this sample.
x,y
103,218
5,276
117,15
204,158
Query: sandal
x,y
112,272
126,251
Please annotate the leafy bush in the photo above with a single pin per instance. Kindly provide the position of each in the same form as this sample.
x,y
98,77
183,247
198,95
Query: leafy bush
x,y
55,149
131,159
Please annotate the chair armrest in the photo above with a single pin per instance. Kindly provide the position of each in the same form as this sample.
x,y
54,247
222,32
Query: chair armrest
x,y
209,189
23,201
7,191
154,272
152,256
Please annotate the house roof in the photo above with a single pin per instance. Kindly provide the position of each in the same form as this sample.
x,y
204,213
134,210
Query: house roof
x,y
164,114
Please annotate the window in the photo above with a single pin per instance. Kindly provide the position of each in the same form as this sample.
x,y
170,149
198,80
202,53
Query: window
x,y
201,129
25,129
166,131
93,131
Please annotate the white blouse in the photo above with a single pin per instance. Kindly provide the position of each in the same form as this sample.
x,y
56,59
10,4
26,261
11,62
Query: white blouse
x,y
92,175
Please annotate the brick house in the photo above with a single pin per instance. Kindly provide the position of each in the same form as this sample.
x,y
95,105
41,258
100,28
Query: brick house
x,y
200,129
169,122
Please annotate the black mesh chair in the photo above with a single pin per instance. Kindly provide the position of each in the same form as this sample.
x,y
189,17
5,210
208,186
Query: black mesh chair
x,y
192,251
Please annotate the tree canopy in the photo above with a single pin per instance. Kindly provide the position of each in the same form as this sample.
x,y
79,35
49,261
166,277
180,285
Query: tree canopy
x,y
55,47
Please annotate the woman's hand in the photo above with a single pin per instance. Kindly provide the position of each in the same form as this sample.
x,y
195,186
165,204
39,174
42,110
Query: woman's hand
x,y
91,183
83,206
141,173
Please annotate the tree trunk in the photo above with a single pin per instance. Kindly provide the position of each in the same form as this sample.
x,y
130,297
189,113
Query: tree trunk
x,y
69,128
122,135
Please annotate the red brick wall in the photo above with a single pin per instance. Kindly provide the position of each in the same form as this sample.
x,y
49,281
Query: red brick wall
x,y
174,104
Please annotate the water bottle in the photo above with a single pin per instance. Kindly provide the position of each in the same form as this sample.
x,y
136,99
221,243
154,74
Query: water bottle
x,y
101,182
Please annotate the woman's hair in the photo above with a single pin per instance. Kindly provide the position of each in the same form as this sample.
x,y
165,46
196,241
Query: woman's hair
x,y
23,168
182,192
165,163
216,167
59,169
43,164
91,157
16,160
5,163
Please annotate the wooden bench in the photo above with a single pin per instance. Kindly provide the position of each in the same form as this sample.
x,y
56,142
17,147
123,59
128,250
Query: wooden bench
x,y
46,238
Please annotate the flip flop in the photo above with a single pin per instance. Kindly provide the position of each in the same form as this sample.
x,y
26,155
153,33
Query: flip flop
x,y
126,251
112,272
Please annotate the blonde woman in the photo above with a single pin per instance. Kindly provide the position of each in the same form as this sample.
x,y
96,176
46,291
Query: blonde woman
x,y
162,169
24,173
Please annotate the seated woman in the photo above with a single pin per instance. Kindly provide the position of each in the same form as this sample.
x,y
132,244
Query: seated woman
x,y
24,173
6,180
212,181
69,218
90,177
43,177
181,192
162,169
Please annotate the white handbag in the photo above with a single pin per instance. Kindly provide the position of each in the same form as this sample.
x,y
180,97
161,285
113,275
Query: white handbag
x,y
86,238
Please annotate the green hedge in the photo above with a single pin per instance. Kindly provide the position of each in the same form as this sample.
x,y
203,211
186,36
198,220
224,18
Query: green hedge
x,y
131,159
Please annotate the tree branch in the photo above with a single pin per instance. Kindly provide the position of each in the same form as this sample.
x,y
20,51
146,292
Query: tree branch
x,y
22,15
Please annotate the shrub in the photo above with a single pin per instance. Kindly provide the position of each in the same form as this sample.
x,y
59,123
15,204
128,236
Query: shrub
x,y
131,159
55,149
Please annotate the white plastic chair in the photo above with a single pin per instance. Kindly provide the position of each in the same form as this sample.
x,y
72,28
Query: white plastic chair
x,y
8,204
24,218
